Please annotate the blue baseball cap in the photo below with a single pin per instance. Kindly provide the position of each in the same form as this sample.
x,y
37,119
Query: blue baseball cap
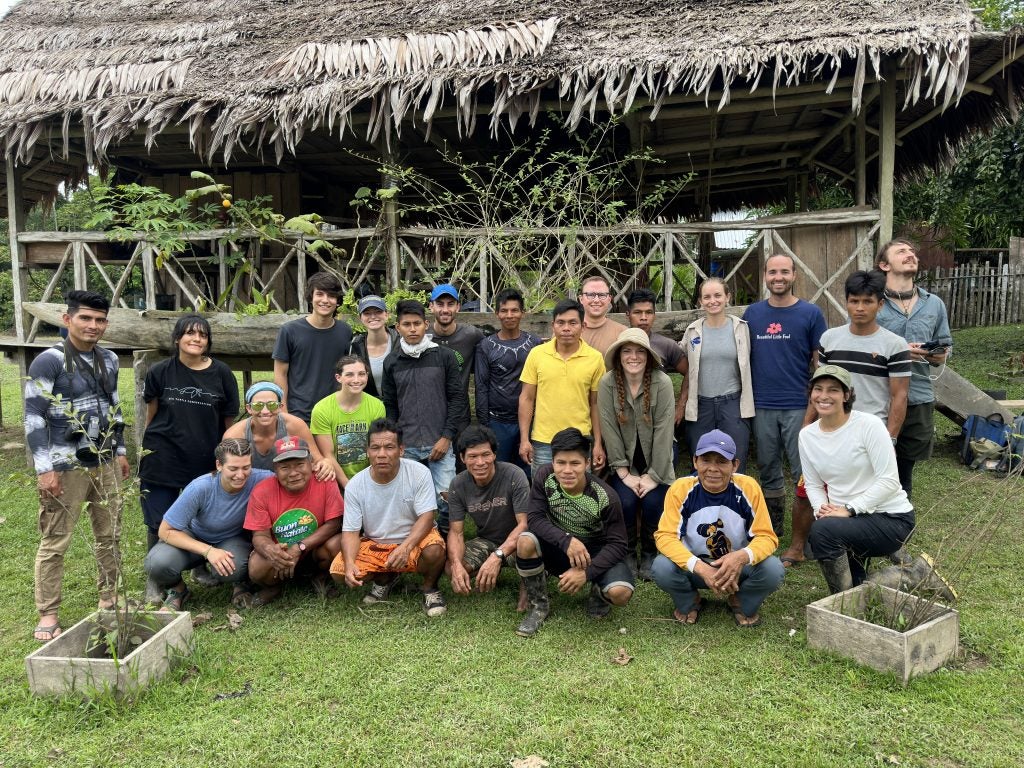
x,y
371,302
444,289
716,441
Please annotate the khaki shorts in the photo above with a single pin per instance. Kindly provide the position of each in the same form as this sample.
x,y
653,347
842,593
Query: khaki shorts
x,y
373,557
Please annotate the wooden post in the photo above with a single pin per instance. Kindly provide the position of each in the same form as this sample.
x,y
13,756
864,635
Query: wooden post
x,y
482,264
804,197
861,175
141,360
887,153
668,275
78,265
149,275
390,211
15,223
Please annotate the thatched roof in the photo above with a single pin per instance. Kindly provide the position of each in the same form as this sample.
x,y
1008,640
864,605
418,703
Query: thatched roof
x,y
83,77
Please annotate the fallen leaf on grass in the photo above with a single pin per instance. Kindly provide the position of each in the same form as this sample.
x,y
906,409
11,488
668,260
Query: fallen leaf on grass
x,y
3,520
622,630
246,690
622,658
199,619
530,761
234,622
55,754
792,632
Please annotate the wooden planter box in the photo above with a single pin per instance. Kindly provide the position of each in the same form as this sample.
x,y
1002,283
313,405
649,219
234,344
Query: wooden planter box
x,y
836,623
62,665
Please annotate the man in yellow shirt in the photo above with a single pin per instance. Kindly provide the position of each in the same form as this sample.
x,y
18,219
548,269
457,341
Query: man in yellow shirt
x,y
560,380
715,534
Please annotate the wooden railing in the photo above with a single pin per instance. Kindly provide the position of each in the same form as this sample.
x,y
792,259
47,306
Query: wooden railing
x,y
542,262
979,294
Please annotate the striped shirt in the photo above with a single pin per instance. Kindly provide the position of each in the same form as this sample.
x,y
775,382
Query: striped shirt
x,y
871,360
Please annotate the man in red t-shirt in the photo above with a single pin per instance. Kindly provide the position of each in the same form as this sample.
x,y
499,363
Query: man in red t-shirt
x,y
295,521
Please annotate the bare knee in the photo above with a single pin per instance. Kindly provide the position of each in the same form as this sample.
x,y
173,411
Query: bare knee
x,y
526,546
618,595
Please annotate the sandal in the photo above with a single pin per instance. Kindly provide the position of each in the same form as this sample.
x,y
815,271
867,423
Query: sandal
x,y
175,600
242,596
742,620
685,618
49,632
265,596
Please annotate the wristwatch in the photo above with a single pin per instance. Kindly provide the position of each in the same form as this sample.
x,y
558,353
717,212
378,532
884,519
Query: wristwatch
x,y
851,510
302,546
499,553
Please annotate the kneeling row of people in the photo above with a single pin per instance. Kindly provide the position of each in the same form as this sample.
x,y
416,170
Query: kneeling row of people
x,y
714,533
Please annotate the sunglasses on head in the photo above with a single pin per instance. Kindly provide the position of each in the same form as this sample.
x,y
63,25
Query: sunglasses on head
x,y
259,406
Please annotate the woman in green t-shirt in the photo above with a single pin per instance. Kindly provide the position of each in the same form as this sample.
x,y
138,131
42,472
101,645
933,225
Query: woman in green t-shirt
x,y
341,420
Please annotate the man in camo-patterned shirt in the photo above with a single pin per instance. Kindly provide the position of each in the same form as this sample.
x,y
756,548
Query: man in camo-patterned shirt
x,y
576,533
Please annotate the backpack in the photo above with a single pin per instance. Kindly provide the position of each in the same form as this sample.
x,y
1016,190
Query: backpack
x,y
985,441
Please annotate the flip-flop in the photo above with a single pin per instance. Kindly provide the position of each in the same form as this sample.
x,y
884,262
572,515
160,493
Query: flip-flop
x,y
738,615
683,618
52,631
242,596
791,562
266,596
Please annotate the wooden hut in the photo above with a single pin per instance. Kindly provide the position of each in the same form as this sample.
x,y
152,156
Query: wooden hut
x,y
298,99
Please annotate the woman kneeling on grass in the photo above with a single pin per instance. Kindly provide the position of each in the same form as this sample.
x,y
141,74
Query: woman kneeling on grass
x,y
849,467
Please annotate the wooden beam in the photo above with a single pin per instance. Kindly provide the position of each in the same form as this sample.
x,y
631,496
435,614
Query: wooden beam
x,y
766,104
869,96
746,140
15,223
860,149
843,175
887,159
773,157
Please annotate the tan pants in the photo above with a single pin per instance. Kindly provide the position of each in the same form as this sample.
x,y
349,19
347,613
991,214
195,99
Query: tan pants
x,y
95,491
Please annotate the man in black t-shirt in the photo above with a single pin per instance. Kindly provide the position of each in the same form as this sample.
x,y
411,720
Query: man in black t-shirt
x,y
307,349
493,493
461,339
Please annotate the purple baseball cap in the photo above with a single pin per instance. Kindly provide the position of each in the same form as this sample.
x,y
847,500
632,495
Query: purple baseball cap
x,y
716,441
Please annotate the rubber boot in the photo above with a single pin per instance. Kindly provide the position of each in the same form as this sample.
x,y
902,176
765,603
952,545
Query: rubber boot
x,y
154,594
901,557
837,574
597,606
631,560
919,578
537,593
777,513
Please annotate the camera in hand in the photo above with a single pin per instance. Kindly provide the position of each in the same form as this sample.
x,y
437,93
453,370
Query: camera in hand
x,y
932,346
94,438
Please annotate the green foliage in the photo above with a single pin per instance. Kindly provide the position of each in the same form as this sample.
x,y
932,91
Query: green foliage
x,y
978,201
350,304
535,184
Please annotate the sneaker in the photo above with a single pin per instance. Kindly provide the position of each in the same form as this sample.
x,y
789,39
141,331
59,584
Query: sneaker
x,y
379,592
434,604
597,608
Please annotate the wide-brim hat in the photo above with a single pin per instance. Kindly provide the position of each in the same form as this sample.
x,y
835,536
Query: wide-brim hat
x,y
630,336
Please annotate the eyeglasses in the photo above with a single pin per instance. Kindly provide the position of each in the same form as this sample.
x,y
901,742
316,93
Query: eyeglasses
x,y
271,406
593,295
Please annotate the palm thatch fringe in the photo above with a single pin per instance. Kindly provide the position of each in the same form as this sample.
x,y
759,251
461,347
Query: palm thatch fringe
x,y
254,75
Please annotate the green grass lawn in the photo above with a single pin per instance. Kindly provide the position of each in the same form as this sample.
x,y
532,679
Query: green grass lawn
x,y
335,683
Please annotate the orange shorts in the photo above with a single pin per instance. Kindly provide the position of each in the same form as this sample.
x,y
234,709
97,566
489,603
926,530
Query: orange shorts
x,y
801,491
373,557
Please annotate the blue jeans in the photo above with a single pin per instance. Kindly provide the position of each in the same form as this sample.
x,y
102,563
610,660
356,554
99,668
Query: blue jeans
x,y
442,472
756,583
722,412
648,509
776,432
507,433
541,454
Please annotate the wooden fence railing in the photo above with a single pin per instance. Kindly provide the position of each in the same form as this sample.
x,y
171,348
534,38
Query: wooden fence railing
x,y
979,294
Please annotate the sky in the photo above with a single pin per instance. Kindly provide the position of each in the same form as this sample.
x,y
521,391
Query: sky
x,y
5,4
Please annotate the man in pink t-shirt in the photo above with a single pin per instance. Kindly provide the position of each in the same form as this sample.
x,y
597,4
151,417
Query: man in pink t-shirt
x,y
295,521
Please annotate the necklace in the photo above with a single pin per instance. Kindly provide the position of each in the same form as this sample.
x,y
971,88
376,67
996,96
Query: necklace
x,y
901,295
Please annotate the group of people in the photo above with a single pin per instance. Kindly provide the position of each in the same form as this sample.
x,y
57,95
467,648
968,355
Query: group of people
x,y
346,467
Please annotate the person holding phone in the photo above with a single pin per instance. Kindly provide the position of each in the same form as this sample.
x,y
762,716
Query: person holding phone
x,y
920,318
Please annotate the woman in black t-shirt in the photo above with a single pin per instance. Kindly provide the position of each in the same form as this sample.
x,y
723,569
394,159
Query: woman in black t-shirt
x,y
190,400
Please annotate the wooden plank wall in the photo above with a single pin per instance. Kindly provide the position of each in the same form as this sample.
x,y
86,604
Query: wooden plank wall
x,y
824,249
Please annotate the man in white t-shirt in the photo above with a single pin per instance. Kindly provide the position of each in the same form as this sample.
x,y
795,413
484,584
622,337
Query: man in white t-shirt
x,y
388,528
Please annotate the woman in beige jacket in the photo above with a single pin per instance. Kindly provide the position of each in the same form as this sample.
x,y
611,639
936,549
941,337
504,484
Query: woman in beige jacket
x,y
717,388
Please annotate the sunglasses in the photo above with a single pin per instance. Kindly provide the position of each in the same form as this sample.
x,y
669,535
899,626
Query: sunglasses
x,y
257,407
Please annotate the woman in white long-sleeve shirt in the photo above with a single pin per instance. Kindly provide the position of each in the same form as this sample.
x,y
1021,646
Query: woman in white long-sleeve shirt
x,y
850,475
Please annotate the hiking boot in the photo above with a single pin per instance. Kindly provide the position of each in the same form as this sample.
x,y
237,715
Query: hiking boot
x,y
777,513
597,607
434,604
646,563
837,574
379,592
537,592
203,577
918,577
901,557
